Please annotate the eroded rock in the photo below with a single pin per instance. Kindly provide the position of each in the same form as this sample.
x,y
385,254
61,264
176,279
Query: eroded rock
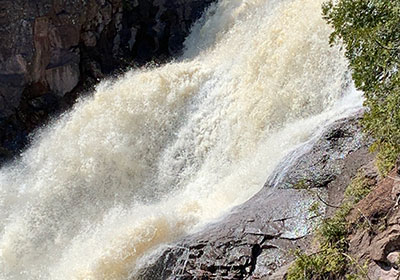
x,y
378,242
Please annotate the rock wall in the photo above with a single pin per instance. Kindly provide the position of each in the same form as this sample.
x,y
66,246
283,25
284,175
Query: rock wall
x,y
375,221
255,239
51,50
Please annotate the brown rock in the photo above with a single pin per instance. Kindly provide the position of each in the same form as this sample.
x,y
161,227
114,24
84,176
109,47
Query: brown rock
x,y
385,243
379,245
376,272
394,218
376,204
393,258
359,244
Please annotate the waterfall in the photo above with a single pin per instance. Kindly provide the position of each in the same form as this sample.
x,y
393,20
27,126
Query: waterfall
x,y
160,152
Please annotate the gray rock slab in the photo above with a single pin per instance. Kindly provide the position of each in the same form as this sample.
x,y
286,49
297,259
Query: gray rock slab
x,y
255,240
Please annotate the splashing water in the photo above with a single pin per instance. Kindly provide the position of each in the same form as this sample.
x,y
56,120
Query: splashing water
x,y
161,152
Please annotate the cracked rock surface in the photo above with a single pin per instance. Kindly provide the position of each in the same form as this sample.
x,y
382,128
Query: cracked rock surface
x,y
254,240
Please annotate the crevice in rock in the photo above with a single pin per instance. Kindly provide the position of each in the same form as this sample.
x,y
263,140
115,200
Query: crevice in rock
x,y
255,252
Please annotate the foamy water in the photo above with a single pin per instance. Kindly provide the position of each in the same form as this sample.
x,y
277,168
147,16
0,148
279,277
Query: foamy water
x,y
161,152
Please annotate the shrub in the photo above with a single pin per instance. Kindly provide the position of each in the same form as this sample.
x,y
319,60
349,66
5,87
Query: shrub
x,y
331,260
369,30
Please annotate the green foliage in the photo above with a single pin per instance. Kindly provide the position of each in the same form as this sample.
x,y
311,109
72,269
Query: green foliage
x,y
386,157
323,265
332,259
302,184
358,189
361,273
333,231
127,5
370,32
314,208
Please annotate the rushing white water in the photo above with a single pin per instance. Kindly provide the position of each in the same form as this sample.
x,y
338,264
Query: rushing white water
x,y
160,152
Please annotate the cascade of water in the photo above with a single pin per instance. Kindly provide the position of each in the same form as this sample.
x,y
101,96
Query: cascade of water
x,y
160,152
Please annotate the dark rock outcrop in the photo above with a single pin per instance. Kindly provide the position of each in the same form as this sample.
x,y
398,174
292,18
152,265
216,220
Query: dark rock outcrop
x,y
51,50
254,240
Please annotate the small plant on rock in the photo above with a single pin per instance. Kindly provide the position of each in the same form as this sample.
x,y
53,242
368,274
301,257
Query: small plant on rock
x,y
332,259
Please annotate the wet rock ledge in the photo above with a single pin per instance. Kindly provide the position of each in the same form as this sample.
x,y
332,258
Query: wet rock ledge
x,y
52,50
254,240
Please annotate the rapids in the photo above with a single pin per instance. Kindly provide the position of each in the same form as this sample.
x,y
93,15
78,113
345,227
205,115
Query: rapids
x,y
160,152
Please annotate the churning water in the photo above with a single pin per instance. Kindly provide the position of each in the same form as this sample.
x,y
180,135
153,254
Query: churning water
x,y
160,152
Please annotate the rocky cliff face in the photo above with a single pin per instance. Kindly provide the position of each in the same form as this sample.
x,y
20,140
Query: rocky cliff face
x,y
51,50
375,238
255,239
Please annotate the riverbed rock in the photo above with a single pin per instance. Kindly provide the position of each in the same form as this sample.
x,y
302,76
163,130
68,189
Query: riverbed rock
x,y
255,239
53,50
